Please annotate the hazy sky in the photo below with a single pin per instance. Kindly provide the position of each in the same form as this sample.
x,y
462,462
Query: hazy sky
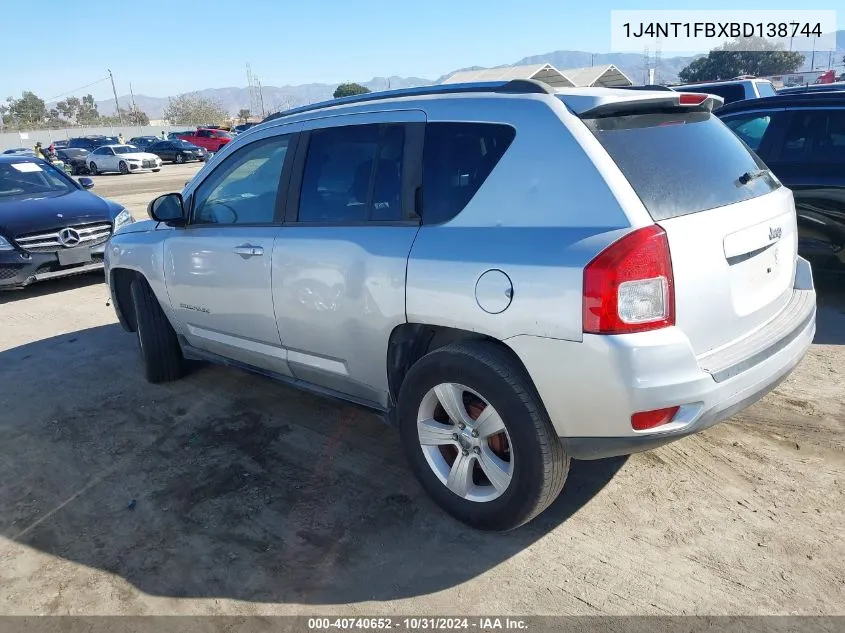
x,y
163,48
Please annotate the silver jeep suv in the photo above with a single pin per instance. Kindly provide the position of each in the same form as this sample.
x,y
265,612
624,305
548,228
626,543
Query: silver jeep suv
x,y
513,276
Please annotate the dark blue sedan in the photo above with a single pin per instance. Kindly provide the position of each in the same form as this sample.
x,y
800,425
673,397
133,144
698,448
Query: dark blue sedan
x,y
50,226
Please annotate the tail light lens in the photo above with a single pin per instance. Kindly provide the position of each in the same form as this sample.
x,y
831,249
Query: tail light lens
x,y
629,287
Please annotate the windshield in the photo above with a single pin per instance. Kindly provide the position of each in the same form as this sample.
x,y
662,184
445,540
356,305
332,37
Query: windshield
x,y
186,144
125,149
681,162
30,178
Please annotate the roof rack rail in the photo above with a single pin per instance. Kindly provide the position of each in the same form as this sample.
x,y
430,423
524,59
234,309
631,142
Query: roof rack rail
x,y
514,86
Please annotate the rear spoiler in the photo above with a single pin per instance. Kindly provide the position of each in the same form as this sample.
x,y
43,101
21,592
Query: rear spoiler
x,y
608,102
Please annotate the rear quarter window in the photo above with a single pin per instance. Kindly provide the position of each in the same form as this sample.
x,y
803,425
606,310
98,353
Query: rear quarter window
x,y
457,159
681,162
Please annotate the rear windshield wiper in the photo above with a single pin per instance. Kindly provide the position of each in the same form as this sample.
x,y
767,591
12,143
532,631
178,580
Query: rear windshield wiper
x,y
753,175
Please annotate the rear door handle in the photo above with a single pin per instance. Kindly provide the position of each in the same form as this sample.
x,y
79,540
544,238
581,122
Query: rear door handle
x,y
248,250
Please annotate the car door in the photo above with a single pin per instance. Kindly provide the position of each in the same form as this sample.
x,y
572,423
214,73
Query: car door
x,y
218,268
204,139
110,160
810,159
339,262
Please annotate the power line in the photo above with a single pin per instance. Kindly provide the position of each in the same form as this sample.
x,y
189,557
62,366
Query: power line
x,y
69,92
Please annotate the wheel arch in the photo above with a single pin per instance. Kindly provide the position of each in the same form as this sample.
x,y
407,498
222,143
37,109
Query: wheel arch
x,y
120,282
409,342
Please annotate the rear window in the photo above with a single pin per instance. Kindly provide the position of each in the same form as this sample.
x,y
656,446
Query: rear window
x,y
681,162
728,92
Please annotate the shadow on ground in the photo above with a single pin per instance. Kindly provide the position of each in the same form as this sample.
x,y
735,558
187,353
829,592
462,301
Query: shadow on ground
x,y
51,287
830,318
225,484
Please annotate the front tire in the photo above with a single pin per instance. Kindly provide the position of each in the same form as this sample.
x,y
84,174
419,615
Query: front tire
x,y
478,438
124,169
160,351
93,169
180,158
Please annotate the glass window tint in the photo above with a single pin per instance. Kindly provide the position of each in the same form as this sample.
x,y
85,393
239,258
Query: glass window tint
x,y
765,89
750,128
798,136
830,144
244,188
387,181
338,183
680,162
728,92
457,159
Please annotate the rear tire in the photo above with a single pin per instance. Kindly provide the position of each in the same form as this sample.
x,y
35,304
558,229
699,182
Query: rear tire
x,y
180,158
161,354
536,462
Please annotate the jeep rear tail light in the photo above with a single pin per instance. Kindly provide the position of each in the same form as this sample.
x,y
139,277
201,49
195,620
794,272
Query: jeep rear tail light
x,y
629,287
691,98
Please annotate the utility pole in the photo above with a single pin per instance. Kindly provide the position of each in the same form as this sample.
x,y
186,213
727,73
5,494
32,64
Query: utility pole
x,y
261,98
114,91
134,107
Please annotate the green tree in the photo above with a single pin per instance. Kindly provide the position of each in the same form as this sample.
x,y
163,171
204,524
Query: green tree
x,y
349,89
193,109
87,112
29,110
243,115
728,61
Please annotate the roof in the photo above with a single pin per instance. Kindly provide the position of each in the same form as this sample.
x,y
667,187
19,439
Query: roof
x,y
546,73
802,99
607,76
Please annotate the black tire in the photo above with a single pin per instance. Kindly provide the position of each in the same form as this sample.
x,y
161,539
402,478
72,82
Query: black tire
x,y
160,351
93,169
180,158
540,461
156,170
123,167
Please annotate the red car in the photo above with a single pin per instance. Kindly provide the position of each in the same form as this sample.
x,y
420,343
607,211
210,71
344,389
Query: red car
x,y
212,140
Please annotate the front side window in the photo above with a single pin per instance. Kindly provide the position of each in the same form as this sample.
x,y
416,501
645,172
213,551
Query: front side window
x,y
244,188
353,174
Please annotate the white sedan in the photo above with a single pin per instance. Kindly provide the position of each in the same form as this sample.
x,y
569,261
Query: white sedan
x,y
121,158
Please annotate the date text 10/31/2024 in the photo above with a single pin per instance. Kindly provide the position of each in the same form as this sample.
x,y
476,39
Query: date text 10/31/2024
x,y
417,624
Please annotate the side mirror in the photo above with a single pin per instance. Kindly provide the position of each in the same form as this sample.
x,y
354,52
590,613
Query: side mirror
x,y
168,208
86,183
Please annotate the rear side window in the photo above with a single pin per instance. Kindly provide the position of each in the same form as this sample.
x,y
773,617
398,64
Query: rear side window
x,y
457,159
816,136
680,162
765,89
353,174
728,92
750,127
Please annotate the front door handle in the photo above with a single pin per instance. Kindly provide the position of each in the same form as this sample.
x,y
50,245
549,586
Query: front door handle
x,y
248,250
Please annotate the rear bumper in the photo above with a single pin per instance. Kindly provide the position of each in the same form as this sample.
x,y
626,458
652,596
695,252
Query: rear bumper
x,y
590,389
18,270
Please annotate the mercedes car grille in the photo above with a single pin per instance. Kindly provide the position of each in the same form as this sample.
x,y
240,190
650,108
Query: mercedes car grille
x,y
89,235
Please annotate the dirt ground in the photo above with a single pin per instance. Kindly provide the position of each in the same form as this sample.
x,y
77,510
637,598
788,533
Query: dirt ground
x,y
226,493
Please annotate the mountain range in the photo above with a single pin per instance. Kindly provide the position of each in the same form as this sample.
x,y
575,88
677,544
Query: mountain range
x,y
283,97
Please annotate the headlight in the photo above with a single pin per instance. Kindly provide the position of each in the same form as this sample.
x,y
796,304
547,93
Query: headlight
x,y
4,244
124,217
